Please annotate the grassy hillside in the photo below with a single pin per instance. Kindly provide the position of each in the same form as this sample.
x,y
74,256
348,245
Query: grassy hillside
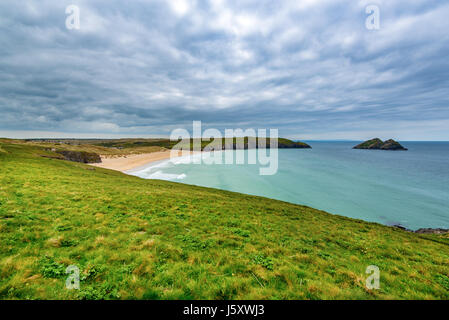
x,y
98,147
148,239
115,147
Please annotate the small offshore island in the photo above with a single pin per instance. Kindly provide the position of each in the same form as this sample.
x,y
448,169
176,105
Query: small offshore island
x,y
377,144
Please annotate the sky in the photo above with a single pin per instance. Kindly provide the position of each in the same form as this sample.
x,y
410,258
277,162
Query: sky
x,y
311,69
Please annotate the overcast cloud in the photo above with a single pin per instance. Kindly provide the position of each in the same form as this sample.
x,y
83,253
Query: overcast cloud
x,y
142,68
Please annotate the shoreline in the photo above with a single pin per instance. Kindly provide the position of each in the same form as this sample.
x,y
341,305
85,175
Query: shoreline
x,y
127,163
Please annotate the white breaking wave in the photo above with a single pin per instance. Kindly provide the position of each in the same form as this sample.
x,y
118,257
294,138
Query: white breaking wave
x,y
162,176
154,170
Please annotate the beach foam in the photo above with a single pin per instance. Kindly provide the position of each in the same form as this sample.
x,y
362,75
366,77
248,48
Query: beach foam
x,y
154,169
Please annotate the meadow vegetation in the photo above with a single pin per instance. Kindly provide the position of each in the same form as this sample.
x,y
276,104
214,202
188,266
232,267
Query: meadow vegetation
x,y
148,239
119,147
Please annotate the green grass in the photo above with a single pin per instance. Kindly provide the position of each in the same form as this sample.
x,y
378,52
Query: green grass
x,y
95,147
168,144
149,239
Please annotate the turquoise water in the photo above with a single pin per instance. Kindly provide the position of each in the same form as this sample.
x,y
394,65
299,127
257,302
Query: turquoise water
x,y
410,188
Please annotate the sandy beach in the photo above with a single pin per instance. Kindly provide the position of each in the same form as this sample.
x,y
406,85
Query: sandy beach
x,y
128,162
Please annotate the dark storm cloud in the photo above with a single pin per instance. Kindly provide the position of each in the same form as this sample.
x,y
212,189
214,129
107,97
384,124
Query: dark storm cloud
x,y
309,68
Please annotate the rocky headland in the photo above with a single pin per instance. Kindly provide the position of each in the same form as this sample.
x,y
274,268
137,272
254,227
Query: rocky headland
x,y
80,156
377,144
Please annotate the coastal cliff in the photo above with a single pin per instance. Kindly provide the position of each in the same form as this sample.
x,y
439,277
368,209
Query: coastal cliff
x,y
243,143
248,144
80,156
377,144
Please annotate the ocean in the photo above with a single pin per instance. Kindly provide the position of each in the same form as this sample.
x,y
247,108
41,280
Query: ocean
x,y
410,188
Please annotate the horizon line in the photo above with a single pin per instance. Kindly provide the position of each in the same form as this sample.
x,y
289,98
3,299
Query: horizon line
x,y
159,137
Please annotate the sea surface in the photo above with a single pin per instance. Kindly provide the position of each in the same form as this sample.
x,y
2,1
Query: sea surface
x,y
410,188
